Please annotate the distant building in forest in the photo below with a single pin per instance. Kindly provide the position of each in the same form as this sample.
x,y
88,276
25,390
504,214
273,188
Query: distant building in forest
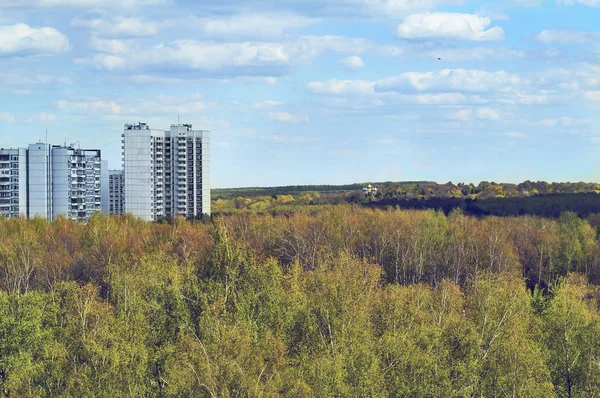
x,y
370,190
166,173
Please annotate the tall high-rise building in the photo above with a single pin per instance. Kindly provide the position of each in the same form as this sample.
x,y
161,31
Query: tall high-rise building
x,y
116,197
51,180
167,173
13,182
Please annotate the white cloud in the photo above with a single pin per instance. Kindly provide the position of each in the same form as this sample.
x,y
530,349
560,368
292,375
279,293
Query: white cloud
x,y
592,96
288,118
267,104
342,87
252,26
352,63
6,117
193,59
45,116
134,107
567,37
528,3
487,90
402,7
565,122
463,114
104,61
448,25
287,139
87,107
514,134
208,58
22,40
117,27
16,79
591,3
77,3
108,46
449,79
487,113
441,99
484,113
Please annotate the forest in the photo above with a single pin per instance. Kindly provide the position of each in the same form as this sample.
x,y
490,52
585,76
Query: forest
x,y
343,301
487,198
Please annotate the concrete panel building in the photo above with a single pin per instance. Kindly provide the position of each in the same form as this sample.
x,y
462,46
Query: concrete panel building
x,y
80,193
116,200
105,187
48,181
167,173
13,182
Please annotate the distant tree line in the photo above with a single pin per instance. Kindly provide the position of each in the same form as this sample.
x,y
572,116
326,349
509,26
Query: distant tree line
x,y
323,301
486,198
550,206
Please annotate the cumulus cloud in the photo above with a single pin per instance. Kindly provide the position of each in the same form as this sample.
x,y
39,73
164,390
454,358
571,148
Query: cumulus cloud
x,y
592,96
21,40
6,117
484,113
342,87
567,37
265,26
288,139
77,3
104,61
448,79
352,63
17,79
441,99
487,114
132,107
267,104
108,46
288,117
192,59
591,3
565,122
514,134
484,91
117,27
463,114
448,25
86,107
248,58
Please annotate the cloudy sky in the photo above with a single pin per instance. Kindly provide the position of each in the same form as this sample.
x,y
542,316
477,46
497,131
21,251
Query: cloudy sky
x,y
317,91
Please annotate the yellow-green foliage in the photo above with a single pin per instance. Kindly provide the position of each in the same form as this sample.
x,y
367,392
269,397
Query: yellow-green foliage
x,y
330,301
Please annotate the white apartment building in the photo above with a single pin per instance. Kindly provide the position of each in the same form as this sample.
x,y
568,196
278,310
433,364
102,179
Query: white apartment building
x,y
116,200
50,180
64,181
167,173
13,182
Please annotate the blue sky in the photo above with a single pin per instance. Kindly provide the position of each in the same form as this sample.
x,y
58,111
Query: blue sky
x,y
316,91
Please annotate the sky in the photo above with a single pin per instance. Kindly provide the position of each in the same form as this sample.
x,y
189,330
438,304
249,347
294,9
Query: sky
x,y
316,91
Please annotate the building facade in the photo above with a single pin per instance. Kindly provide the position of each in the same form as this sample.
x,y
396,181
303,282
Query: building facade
x,y
52,181
13,182
167,173
116,200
